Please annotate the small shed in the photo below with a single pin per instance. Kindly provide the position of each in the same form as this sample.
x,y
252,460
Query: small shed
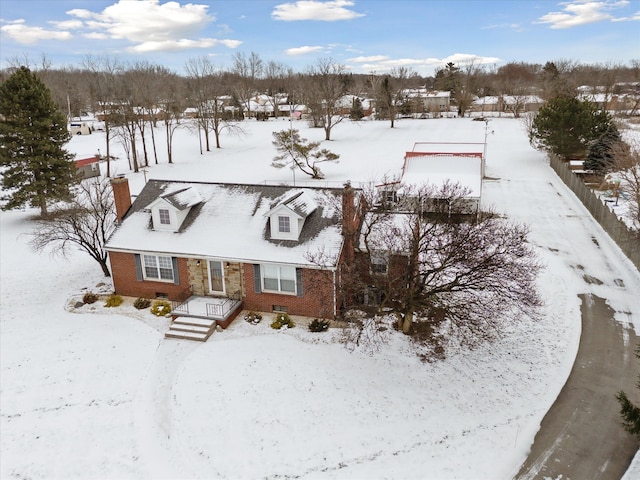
x,y
88,167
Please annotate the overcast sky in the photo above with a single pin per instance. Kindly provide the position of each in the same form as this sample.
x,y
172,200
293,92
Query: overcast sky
x,y
363,35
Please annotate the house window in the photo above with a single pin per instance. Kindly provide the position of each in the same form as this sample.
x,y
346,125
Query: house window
x,y
379,263
157,267
165,218
284,225
279,308
277,278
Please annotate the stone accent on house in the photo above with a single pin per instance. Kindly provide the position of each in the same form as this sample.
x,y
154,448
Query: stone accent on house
x,y
233,280
198,276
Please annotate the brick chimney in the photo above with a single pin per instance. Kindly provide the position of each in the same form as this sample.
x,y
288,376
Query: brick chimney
x,y
348,210
121,195
349,222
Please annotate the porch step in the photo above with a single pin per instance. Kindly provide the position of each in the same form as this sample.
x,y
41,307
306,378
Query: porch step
x,y
179,327
198,336
196,322
189,328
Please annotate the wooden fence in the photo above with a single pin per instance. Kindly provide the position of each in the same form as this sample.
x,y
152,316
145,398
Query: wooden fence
x,y
625,238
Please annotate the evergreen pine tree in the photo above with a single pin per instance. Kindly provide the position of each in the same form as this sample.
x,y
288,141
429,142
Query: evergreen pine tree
x,y
629,412
600,153
356,110
566,126
36,168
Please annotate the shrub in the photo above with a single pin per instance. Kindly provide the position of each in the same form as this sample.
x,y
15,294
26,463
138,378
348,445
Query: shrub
x,y
319,325
90,297
253,317
282,320
161,308
113,300
142,303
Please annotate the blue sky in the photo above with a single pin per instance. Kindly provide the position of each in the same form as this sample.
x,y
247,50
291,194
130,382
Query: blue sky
x,y
363,35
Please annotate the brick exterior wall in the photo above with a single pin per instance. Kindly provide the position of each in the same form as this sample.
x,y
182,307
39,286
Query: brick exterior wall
x,y
317,285
125,282
317,299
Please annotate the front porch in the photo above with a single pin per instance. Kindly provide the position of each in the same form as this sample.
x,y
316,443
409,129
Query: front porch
x,y
197,317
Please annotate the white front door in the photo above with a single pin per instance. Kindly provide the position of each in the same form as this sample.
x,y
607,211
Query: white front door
x,y
216,276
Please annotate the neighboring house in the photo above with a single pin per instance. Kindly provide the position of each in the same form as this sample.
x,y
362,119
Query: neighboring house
x,y
345,104
88,167
435,164
257,247
513,104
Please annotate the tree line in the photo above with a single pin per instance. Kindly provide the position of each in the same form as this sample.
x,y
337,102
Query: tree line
x,y
78,89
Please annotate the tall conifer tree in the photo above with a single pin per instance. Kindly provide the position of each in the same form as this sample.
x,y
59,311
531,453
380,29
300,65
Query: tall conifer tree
x,y
36,169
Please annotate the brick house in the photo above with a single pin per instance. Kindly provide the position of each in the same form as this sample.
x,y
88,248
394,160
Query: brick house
x,y
233,246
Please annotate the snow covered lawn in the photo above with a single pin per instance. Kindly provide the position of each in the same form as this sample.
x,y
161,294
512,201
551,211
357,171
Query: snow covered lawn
x,y
99,393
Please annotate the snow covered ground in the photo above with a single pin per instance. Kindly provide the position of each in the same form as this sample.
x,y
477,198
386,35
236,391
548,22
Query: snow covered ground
x,y
94,392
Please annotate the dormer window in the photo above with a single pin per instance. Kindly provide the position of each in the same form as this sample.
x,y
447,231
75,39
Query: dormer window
x,y
169,210
288,216
284,224
165,217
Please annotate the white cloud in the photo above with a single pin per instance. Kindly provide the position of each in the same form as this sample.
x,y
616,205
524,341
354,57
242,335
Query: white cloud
x,y
381,63
95,36
181,44
315,10
68,24
147,20
372,58
461,59
581,12
504,26
26,35
152,26
304,50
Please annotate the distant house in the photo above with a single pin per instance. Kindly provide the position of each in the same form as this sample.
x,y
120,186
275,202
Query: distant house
x,y
513,104
233,246
88,167
435,164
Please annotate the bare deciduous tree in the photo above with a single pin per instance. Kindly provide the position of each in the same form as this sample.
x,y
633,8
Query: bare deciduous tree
x,y
389,92
428,265
626,164
207,89
326,83
249,69
84,223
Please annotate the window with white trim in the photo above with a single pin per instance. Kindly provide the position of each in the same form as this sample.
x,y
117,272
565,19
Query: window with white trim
x,y
379,263
165,217
156,267
284,224
278,278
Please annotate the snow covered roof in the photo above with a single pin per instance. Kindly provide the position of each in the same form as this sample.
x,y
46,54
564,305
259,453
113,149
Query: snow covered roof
x,y
301,203
438,168
230,223
182,198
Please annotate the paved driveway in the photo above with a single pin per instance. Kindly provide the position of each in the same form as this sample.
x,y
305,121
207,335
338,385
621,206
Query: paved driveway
x,y
581,437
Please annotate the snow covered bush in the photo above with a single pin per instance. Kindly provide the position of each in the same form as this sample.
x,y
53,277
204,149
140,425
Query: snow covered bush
x,y
319,325
142,303
253,317
90,297
161,308
113,301
282,320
